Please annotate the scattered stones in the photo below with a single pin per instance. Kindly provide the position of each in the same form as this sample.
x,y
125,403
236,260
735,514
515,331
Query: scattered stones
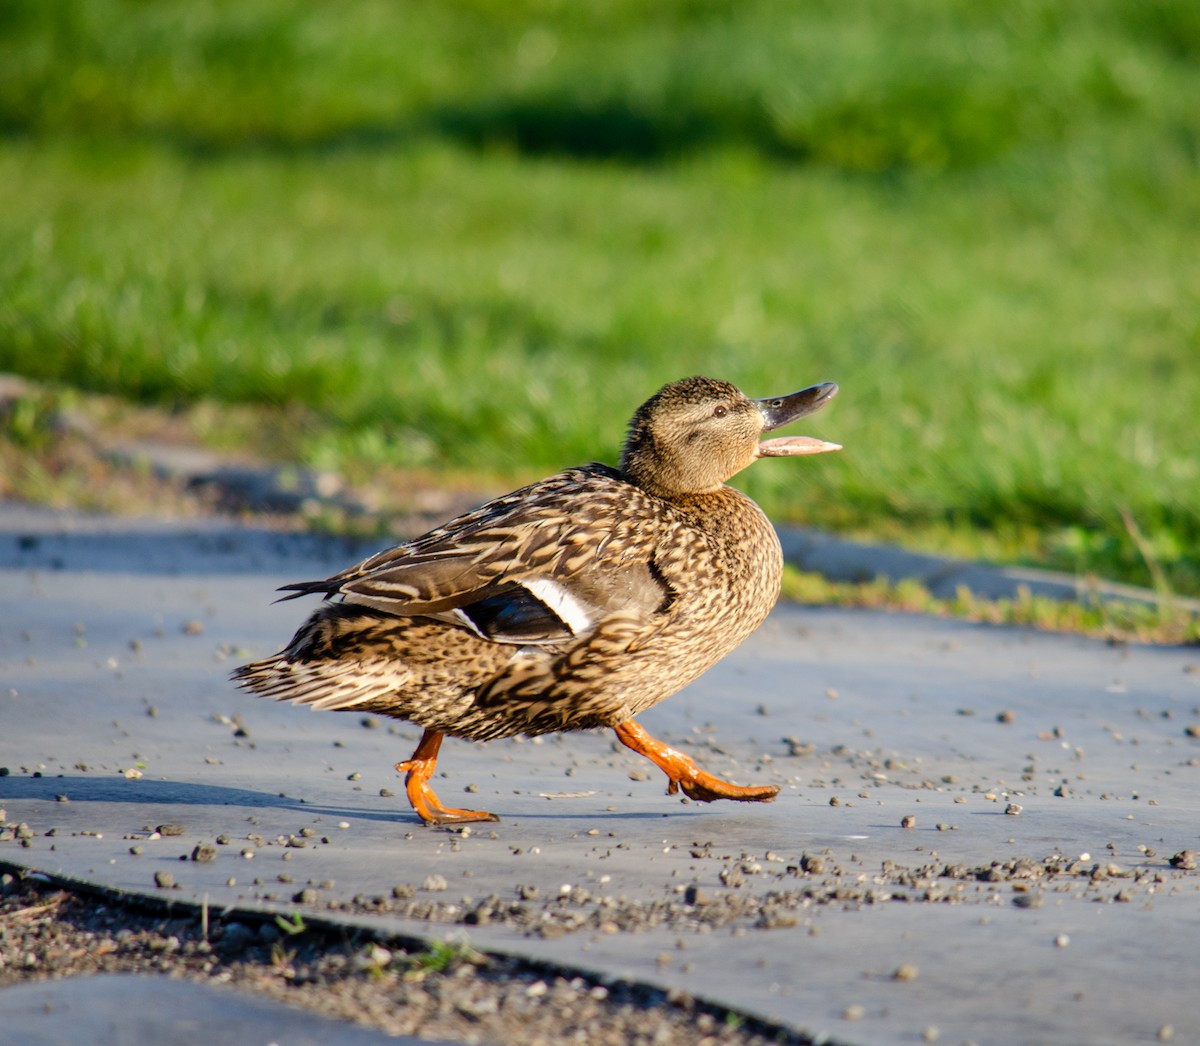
x,y
812,864
171,828
204,852
1185,860
164,880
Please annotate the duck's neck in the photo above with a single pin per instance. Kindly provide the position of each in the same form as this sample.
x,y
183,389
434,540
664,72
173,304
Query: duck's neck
x,y
734,524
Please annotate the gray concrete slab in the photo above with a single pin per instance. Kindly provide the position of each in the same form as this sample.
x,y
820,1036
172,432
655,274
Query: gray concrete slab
x,y
131,1009
113,689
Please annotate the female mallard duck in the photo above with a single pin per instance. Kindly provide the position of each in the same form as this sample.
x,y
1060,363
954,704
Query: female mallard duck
x,y
575,602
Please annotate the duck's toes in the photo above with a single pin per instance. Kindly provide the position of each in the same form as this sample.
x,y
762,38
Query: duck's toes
x,y
705,789
683,773
429,808
424,799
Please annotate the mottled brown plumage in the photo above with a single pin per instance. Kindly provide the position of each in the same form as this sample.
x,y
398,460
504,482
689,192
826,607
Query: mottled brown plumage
x,y
575,602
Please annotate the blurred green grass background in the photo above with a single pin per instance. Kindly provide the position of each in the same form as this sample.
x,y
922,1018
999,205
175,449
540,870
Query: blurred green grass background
x,y
469,236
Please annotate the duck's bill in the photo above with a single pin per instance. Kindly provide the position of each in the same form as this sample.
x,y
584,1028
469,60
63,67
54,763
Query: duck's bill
x,y
778,411
792,446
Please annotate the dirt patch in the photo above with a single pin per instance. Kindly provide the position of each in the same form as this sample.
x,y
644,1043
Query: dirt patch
x,y
449,991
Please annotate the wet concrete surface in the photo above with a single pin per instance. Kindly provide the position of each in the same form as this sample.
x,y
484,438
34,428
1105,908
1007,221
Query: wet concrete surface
x,y
1047,782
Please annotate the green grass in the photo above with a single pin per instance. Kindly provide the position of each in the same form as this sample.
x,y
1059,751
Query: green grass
x,y
473,237
1116,620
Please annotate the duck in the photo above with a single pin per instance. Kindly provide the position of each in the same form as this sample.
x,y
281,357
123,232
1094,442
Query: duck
x,y
577,602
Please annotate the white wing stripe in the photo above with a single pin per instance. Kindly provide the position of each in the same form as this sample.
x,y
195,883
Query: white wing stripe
x,y
574,614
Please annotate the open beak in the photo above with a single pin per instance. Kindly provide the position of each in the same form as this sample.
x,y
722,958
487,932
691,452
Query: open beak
x,y
778,411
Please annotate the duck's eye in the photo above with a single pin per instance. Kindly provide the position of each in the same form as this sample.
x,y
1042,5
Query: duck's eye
x,y
720,411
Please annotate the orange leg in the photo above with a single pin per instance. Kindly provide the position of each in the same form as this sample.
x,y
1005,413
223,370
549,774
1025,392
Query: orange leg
x,y
420,769
683,773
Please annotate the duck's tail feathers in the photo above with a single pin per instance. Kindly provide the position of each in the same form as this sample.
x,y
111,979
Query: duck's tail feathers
x,y
319,684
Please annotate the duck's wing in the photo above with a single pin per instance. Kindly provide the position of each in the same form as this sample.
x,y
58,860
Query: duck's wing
x,y
542,565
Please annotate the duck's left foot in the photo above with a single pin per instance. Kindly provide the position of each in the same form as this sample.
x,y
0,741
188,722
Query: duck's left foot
x,y
419,769
683,773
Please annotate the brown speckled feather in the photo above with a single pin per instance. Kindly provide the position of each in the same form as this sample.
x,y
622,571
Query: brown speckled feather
x,y
386,643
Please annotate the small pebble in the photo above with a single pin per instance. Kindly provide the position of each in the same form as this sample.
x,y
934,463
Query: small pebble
x,y
204,852
906,971
908,821
854,1012
171,828
164,880
1184,860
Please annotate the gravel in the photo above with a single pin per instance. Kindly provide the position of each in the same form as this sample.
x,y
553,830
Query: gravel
x,y
448,992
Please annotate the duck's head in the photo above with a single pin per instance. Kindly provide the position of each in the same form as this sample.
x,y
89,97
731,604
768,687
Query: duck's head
x,y
692,435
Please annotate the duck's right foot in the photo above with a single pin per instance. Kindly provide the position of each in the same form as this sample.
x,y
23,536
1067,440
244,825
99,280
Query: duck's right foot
x,y
683,774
